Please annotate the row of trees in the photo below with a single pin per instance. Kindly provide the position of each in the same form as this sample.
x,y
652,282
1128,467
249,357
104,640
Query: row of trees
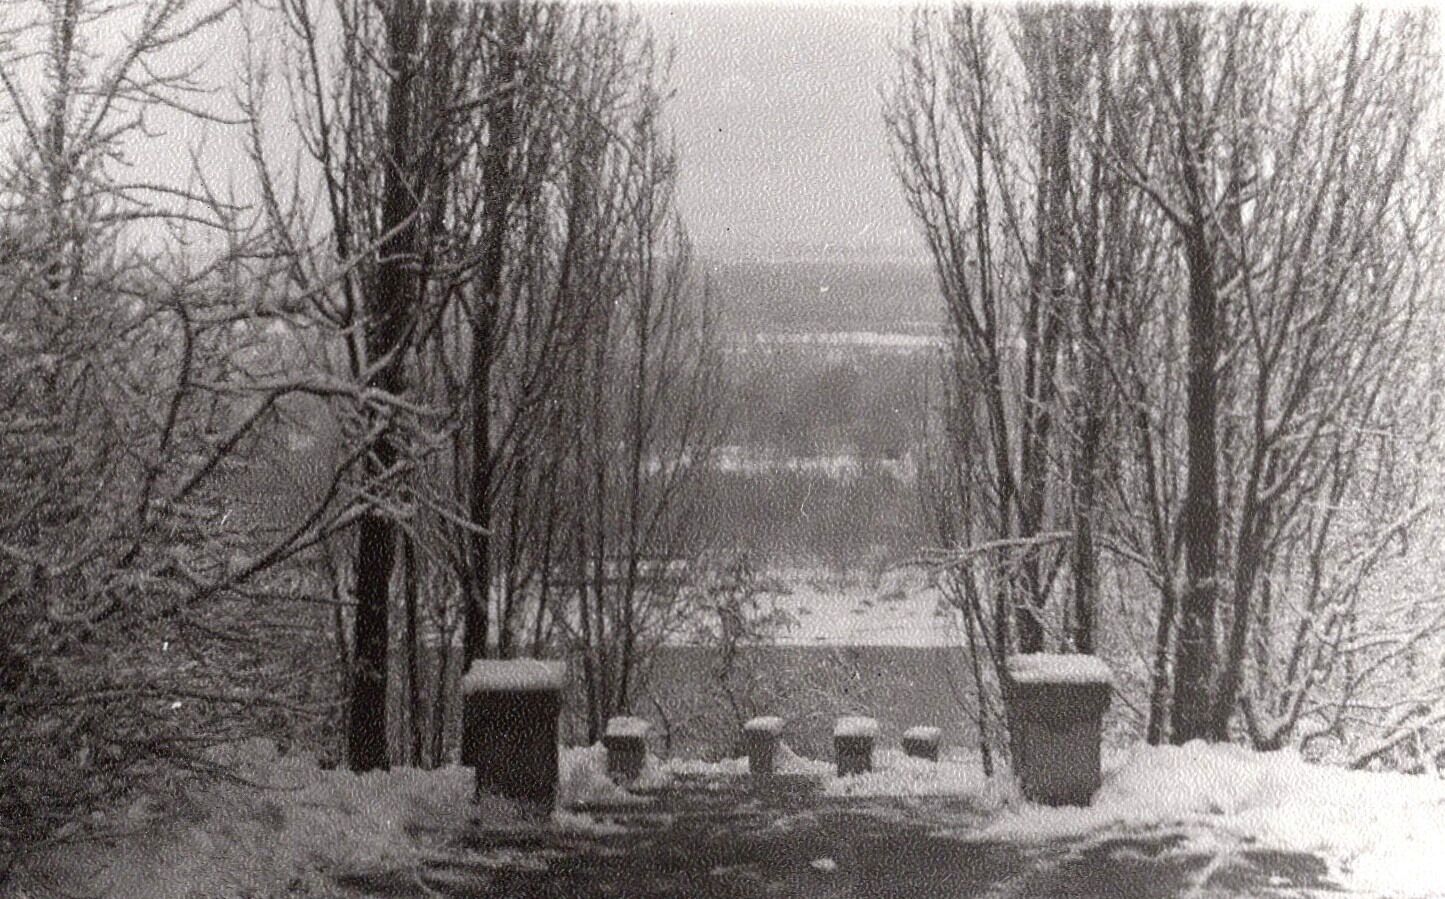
x,y
1190,261
502,258
451,282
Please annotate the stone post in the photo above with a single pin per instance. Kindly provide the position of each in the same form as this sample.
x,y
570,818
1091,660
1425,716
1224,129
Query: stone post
x,y
922,742
760,739
626,742
853,744
515,704
1056,709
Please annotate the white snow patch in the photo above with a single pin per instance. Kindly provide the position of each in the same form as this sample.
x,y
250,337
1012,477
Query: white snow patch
x,y
826,865
768,724
1380,833
698,768
626,726
514,675
786,761
855,726
582,779
863,615
875,339
1041,668
579,822
897,774
232,840
923,734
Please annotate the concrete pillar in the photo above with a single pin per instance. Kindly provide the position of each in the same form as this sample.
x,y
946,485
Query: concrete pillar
x,y
922,742
515,705
853,738
626,742
1056,709
760,739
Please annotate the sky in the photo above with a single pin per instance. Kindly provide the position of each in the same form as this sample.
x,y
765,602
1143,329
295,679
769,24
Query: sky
x,y
778,120
777,114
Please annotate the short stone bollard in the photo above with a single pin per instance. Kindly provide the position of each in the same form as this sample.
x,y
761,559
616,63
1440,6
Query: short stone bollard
x,y
922,742
760,739
511,710
626,742
853,738
1056,708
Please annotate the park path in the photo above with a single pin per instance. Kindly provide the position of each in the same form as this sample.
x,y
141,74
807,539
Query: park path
x,y
719,839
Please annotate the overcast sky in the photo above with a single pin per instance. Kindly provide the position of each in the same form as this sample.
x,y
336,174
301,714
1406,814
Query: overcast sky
x,y
778,116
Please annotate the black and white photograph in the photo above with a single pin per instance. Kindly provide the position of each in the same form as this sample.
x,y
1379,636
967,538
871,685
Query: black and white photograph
x,y
571,449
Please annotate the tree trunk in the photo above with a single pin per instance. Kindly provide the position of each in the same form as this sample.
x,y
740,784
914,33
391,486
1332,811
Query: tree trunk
x,y
1199,517
415,719
1159,690
501,128
389,300
1194,670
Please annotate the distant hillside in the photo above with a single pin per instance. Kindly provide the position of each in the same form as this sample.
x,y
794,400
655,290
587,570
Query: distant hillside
x,y
791,295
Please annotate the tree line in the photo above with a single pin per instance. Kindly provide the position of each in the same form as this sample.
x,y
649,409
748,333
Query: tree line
x,y
453,253
1190,262
1188,258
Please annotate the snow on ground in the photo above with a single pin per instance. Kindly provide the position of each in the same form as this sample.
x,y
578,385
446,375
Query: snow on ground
x,y
789,762
1380,833
582,779
838,466
862,615
233,840
870,339
897,774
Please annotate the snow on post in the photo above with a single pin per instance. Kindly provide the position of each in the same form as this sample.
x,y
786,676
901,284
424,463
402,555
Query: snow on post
x,y
626,742
514,675
853,738
856,726
1056,708
515,703
760,741
1048,668
922,742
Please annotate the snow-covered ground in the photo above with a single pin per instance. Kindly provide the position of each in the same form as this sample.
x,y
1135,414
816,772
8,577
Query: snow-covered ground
x,y
897,613
1380,834
230,840
872,340
838,466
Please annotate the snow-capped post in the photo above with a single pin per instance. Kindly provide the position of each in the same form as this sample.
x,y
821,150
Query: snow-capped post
x,y
626,742
1056,709
514,705
760,739
922,742
853,744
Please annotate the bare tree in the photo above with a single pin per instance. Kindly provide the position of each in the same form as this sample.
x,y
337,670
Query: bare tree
x,y
148,617
998,128
644,423
1297,325
384,103
1246,264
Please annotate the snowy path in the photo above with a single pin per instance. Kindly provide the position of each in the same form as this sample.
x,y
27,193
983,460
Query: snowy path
x,y
712,838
